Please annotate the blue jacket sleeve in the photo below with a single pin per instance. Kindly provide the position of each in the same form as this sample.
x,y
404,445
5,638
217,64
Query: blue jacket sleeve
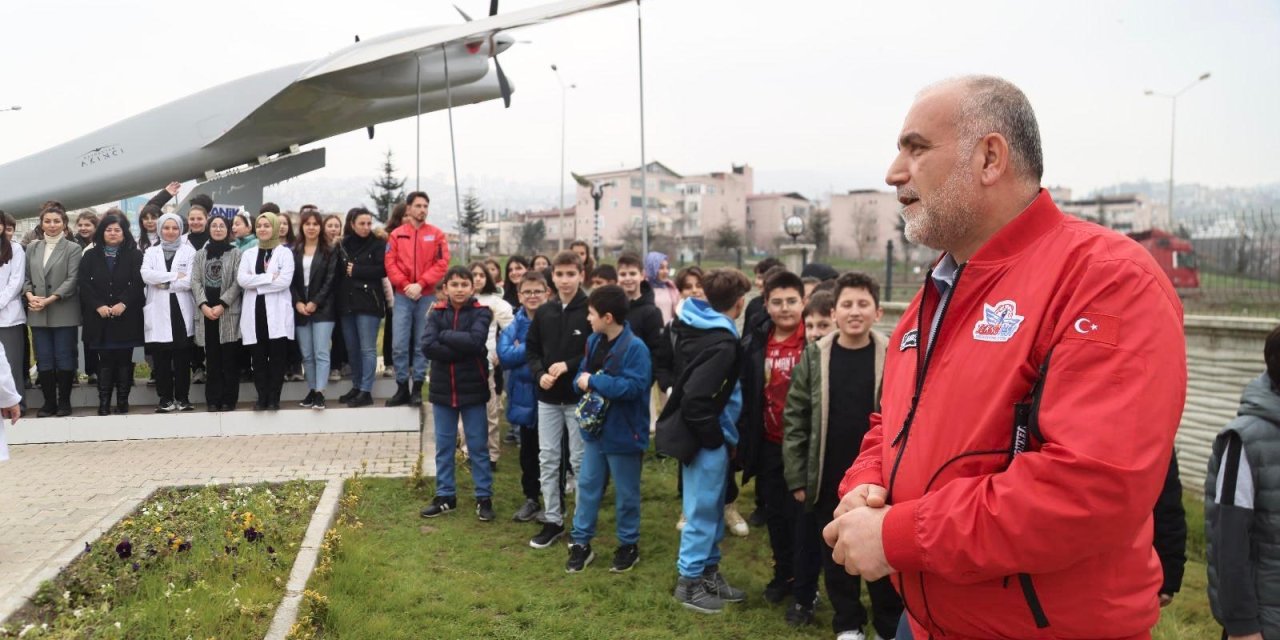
x,y
511,348
729,417
634,378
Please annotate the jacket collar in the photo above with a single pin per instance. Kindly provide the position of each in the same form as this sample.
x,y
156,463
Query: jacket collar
x,y
1040,217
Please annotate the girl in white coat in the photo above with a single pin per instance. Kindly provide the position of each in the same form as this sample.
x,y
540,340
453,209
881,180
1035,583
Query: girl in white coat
x,y
266,315
489,295
13,314
169,313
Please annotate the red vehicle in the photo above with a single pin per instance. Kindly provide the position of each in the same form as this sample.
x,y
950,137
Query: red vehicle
x,y
1173,254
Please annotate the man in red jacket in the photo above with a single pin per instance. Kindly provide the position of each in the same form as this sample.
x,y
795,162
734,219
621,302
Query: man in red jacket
x,y
417,257
1031,394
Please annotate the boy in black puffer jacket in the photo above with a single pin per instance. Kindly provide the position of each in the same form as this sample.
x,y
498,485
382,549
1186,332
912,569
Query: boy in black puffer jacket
x,y
454,343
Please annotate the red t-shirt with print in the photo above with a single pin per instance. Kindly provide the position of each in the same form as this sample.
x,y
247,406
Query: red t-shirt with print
x,y
780,357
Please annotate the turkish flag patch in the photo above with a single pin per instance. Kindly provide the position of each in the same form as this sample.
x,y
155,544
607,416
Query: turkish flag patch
x,y
1098,327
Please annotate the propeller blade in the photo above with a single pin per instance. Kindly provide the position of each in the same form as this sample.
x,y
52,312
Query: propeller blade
x,y
370,130
464,13
493,8
503,85
357,37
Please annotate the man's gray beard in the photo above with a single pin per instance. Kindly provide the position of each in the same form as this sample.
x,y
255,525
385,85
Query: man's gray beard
x,y
946,217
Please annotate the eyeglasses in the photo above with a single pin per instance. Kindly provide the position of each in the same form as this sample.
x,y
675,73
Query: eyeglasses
x,y
533,294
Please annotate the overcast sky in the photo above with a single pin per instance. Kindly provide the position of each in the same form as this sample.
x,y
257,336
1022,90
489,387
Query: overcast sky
x,y
812,93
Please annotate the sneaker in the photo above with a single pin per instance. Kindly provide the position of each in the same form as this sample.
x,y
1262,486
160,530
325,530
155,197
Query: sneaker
x,y
777,590
440,505
308,401
681,522
799,615
549,534
318,401
852,635
183,405
295,377
570,484
734,522
528,511
484,509
198,376
580,555
692,594
335,376
624,558
719,587
167,407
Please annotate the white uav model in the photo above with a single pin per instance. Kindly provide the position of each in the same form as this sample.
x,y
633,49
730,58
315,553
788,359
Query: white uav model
x,y
243,135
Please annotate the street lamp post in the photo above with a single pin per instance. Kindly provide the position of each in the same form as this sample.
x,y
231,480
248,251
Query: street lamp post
x,y
1173,120
597,194
794,226
564,92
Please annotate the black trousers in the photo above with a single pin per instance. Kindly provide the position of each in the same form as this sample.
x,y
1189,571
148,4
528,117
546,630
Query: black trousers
x,y
529,470
270,360
782,517
844,590
173,371
222,373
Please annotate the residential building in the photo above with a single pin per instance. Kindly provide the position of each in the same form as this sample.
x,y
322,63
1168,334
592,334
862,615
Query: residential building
x,y
766,213
1123,212
620,210
862,221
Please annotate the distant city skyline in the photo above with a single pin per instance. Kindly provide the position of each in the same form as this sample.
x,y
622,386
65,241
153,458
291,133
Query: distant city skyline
x,y
811,95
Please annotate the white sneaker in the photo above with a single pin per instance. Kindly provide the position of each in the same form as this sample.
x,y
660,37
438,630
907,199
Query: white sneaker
x,y
735,523
680,523
335,376
852,635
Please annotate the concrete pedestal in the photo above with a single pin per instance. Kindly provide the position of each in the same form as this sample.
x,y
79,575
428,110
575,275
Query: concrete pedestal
x,y
795,256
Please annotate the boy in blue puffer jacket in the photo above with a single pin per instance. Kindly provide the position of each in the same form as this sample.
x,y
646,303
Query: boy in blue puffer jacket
x,y
522,400
618,369
454,342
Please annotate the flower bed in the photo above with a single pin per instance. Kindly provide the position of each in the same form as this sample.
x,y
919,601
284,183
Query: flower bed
x,y
194,562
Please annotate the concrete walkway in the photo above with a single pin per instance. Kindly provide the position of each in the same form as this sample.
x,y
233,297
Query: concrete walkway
x,y
56,497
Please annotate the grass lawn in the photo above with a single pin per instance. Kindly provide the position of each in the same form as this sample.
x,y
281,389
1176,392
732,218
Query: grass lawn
x,y
193,562
390,574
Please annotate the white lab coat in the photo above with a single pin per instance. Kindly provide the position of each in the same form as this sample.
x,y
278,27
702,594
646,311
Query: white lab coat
x,y
8,397
12,311
157,325
502,316
274,284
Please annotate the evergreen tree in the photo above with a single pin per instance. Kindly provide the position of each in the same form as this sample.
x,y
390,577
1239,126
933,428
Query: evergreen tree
x,y
387,191
470,220
532,234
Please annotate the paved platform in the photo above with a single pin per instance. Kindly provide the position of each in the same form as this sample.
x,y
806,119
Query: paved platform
x,y
56,497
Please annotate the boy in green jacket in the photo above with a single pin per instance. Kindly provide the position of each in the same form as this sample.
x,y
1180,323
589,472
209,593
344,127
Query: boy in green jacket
x,y
821,439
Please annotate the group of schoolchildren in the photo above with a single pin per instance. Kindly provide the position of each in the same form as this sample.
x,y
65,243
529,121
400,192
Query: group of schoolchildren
x,y
781,389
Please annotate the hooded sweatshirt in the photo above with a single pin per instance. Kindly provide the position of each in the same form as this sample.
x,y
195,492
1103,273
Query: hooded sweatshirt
x,y
700,332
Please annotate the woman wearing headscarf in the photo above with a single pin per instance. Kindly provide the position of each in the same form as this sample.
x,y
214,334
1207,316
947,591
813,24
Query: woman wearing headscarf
x,y
197,236
53,261
111,305
266,318
217,297
657,270
169,315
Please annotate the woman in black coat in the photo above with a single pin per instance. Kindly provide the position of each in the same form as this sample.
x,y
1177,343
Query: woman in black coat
x,y
361,301
314,275
111,300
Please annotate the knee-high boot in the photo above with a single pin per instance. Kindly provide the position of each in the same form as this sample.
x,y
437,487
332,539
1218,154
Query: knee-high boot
x,y
124,384
65,380
106,384
49,386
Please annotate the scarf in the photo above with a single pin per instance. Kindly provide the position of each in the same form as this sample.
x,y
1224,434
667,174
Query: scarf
x,y
198,240
651,264
110,251
215,248
169,247
274,240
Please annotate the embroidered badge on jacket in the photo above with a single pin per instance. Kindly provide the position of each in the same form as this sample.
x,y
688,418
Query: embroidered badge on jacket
x,y
999,322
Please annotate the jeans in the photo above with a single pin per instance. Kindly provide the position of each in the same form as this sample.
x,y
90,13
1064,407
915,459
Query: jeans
x,y
596,466
554,421
475,429
360,332
410,320
314,338
55,348
704,481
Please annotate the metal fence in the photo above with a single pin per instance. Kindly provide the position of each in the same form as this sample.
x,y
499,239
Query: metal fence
x,y
1237,258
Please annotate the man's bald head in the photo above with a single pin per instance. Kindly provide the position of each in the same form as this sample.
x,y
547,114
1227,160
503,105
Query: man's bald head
x,y
988,104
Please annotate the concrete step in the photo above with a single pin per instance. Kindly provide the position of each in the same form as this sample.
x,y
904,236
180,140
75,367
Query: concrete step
x,y
143,423
86,395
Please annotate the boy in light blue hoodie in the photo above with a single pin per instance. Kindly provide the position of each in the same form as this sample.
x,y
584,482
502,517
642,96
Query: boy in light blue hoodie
x,y
697,427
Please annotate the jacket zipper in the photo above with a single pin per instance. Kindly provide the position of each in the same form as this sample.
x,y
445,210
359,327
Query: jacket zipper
x,y
453,378
921,371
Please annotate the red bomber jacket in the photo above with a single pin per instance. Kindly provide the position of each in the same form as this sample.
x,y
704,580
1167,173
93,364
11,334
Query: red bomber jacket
x,y
1029,515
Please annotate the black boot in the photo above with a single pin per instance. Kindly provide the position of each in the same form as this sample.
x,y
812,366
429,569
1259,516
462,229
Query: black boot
x,y
401,396
346,397
361,399
106,384
65,380
124,384
415,394
49,386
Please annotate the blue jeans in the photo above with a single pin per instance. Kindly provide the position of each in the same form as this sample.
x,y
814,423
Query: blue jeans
x,y
704,482
596,465
475,428
55,348
360,332
314,340
408,323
